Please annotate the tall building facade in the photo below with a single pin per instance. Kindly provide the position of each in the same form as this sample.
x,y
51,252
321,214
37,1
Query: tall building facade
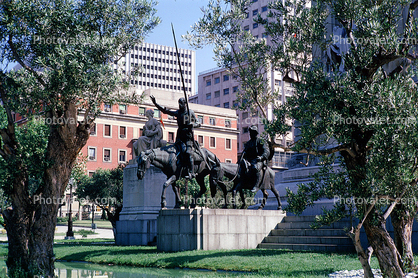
x,y
217,87
159,68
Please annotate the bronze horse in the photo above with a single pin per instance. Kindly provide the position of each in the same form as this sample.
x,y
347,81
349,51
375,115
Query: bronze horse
x,y
166,158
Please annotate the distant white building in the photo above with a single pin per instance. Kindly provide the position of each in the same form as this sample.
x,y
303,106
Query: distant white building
x,y
160,69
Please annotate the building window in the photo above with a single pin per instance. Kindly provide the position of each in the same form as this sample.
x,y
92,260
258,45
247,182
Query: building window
x,y
247,28
90,173
264,9
217,94
208,96
122,108
226,105
226,77
156,113
93,129
200,119
228,144
122,132
212,121
212,142
244,115
106,155
122,156
226,91
217,105
228,160
200,140
107,107
171,137
235,103
107,130
217,80
245,130
255,12
255,25
235,89
141,111
92,153
208,82
227,123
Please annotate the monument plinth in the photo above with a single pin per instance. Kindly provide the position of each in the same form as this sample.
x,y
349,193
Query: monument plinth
x,y
212,229
137,223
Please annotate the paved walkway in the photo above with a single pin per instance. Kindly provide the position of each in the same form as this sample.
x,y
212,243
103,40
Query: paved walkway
x,y
101,233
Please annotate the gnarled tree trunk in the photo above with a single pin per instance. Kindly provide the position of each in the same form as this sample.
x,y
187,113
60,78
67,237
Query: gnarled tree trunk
x,y
384,247
31,221
402,222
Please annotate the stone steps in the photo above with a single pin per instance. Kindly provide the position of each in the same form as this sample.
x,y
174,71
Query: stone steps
x,y
308,247
295,233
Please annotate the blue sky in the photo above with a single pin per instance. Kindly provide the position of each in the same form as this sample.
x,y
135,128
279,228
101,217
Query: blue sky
x,y
183,14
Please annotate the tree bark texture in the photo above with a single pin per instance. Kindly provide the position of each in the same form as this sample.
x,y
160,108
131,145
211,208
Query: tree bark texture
x,y
31,221
363,256
384,248
402,222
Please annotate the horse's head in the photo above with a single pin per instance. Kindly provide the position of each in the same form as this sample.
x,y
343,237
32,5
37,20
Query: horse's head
x,y
144,163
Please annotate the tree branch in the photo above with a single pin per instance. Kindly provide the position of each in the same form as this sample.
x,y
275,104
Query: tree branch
x,y
19,60
340,148
392,206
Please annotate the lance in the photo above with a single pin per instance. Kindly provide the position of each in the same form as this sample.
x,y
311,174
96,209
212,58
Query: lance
x,y
181,71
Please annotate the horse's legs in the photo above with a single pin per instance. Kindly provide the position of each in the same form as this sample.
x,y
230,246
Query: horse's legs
x,y
265,195
165,185
234,190
241,193
176,190
225,192
276,193
201,181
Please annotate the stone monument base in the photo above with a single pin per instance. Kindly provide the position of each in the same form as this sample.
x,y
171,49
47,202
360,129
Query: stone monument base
x,y
137,223
212,229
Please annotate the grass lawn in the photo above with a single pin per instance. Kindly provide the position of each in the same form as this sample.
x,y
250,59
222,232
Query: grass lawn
x,y
261,262
87,223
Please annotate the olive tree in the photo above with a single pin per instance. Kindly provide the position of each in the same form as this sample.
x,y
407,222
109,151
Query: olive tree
x,y
65,51
343,82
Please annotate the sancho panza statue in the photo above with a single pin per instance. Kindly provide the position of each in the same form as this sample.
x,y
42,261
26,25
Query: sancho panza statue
x,y
152,135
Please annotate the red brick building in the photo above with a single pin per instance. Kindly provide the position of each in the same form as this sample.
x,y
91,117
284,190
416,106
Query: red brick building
x,y
117,128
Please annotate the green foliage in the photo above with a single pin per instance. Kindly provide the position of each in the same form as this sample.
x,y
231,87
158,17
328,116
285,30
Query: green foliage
x,y
85,233
33,138
104,188
62,219
366,113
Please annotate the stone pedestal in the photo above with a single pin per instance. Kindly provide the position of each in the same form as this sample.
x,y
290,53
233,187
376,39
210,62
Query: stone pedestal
x,y
212,229
137,224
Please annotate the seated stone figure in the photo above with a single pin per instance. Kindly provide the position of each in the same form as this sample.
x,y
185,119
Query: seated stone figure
x,y
152,135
